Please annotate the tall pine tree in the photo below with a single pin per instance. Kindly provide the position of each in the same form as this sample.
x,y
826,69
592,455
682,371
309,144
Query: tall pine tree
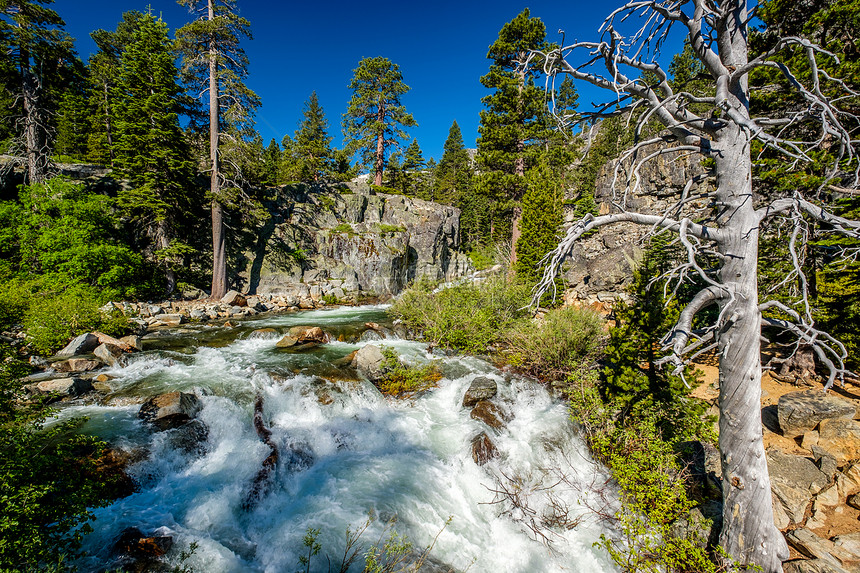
x,y
541,219
311,151
151,150
514,126
374,121
212,56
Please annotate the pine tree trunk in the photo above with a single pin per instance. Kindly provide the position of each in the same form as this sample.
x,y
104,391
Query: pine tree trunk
x,y
748,534
380,150
33,140
219,252
519,171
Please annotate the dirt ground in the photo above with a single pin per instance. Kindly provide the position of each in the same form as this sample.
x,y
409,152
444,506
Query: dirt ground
x,y
841,519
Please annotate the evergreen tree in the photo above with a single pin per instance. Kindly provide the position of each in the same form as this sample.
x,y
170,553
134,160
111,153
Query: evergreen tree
x,y
374,121
73,124
541,219
33,38
271,163
213,57
514,126
454,171
311,150
103,72
413,167
151,150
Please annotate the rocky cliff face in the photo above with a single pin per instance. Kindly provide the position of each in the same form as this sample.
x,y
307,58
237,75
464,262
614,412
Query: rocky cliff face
x,y
351,240
601,265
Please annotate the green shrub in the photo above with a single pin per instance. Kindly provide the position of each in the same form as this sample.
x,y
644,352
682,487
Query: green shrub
x,y
330,299
567,339
482,257
55,318
399,379
390,229
48,480
467,317
651,483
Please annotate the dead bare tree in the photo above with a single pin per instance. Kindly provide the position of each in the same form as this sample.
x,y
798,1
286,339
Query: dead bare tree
x,y
729,232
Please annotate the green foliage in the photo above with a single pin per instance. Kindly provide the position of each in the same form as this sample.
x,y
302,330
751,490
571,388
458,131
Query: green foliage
x,y
631,375
467,317
374,120
310,541
399,379
385,229
651,483
311,157
482,257
48,480
565,341
344,228
541,218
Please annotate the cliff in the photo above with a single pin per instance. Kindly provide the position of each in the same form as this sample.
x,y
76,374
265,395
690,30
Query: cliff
x,y
347,240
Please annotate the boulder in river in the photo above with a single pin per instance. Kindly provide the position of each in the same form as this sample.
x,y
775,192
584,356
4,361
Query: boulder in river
x,y
305,334
76,365
133,543
802,411
490,414
481,388
368,360
110,354
483,449
82,344
170,410
60,387
286,342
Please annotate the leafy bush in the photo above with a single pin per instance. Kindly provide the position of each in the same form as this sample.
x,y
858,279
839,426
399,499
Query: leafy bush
x,y
567,339
467,317
399,379
55,318
344,228
651,483
48,480
390,229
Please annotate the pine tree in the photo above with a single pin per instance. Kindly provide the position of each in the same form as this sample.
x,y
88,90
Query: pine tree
x,y
541,219
514,126
374,121
151,150
311,150
103,72
271,163
73,123
213,57
33,38
454,171
413,167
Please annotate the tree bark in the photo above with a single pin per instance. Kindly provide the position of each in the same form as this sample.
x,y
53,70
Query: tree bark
x,y
219,252
33,137
748,534
380,152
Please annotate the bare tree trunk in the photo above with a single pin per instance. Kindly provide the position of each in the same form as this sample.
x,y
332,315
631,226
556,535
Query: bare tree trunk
x,y
219,252
162,241
748,533
380,150
33,137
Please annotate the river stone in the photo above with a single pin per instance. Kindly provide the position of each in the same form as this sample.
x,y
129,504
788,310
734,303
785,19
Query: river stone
x,y
840,438
170,410
368,360
483,449
286,342
110,354
794,480
61,387
490,414
133,543
481,388
171,320
134,341
82,344
305,334
107,339
76,365
802,411
234,298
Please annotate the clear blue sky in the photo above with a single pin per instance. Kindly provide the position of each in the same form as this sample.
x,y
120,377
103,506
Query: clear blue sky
x,y
299,47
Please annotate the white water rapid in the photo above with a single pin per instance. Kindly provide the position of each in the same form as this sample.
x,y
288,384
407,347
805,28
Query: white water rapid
x,y
351,454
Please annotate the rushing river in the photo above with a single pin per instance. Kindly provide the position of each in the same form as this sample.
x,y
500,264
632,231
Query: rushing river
x,y
346,452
